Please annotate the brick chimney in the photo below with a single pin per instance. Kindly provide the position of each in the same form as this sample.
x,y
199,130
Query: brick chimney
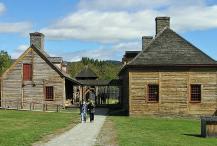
x,y
145,41
37,39
161,23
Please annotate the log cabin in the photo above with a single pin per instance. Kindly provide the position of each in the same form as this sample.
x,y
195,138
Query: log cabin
x,y
170,76
36,79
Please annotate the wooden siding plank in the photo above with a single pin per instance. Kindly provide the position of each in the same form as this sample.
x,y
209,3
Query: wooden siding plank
x,y
174,92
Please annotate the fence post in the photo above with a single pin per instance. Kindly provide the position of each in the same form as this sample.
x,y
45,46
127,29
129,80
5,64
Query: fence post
x,y
17,105
5,104
21,105
43,106
30,106
57,108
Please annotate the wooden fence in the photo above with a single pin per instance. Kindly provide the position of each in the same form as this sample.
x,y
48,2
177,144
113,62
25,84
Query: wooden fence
x,y
29,105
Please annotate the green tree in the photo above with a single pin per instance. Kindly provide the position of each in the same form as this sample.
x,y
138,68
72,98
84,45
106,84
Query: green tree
x,y
5,61
105,70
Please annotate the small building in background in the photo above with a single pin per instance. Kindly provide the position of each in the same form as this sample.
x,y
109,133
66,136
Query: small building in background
x,y
100,92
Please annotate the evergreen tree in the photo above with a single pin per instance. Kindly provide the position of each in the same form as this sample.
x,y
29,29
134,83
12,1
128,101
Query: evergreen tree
x,y
105,70
5,61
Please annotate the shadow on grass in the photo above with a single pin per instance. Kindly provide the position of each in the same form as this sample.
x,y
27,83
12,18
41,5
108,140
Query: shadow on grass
x,y
111,112
117,112
193,135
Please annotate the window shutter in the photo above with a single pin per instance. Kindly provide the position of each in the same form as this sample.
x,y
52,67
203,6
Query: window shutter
x,y
27,72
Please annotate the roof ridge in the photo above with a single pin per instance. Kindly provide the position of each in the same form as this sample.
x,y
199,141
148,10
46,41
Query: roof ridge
x,y
196,56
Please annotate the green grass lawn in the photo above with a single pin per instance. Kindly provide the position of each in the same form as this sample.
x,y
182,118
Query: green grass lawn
x,y
22,128
152,131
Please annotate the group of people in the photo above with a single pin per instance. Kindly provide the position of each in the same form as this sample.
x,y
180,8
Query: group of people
x,y
85,108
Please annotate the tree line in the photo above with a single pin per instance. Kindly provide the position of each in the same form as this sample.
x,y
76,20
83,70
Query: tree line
x,y
105,70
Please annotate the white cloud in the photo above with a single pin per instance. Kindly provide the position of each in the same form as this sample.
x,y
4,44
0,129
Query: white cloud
x,y
134,5
120,4
104,52
193,18
99,21
15,27
22,48
2,8
128,46
18,51
102,26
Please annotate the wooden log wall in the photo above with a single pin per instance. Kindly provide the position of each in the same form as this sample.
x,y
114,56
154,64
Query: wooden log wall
x,y
15,89
174,92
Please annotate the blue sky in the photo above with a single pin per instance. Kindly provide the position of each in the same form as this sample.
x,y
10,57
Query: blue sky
x,y
103,29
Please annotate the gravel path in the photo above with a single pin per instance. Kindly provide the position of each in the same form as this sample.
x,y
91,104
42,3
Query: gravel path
x,y
83,134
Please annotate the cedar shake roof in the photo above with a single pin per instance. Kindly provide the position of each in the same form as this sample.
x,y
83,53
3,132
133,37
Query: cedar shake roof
x,y
169,48
95,82
86,73
113,82
129,54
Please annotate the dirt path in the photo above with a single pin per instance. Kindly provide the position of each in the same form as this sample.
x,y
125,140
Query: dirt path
x,y
107,135
83,134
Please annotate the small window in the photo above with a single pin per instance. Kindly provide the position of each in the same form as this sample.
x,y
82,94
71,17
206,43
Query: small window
x,y
153,93
27,72
195,93
49,93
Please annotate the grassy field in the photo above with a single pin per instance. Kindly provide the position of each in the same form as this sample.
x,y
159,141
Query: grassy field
x,y
152,131
22,128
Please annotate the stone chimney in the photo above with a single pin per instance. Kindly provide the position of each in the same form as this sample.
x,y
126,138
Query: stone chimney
x,y
145,41
161,23
37,39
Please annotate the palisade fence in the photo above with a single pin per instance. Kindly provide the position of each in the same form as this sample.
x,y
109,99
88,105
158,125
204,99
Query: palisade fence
x,y
30,105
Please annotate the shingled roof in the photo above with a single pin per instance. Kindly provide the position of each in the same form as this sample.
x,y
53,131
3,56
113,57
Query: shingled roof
x,y
113,82
86,73
129,54
169,48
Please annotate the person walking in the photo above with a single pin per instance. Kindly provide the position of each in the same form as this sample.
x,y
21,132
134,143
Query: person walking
x,y
91,109
84,112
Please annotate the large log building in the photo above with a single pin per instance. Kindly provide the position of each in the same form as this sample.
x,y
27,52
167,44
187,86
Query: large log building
x,y
36,79
169,76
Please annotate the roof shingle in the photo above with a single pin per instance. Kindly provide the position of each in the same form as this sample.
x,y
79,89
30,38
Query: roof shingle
x,y
169,48
86,73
